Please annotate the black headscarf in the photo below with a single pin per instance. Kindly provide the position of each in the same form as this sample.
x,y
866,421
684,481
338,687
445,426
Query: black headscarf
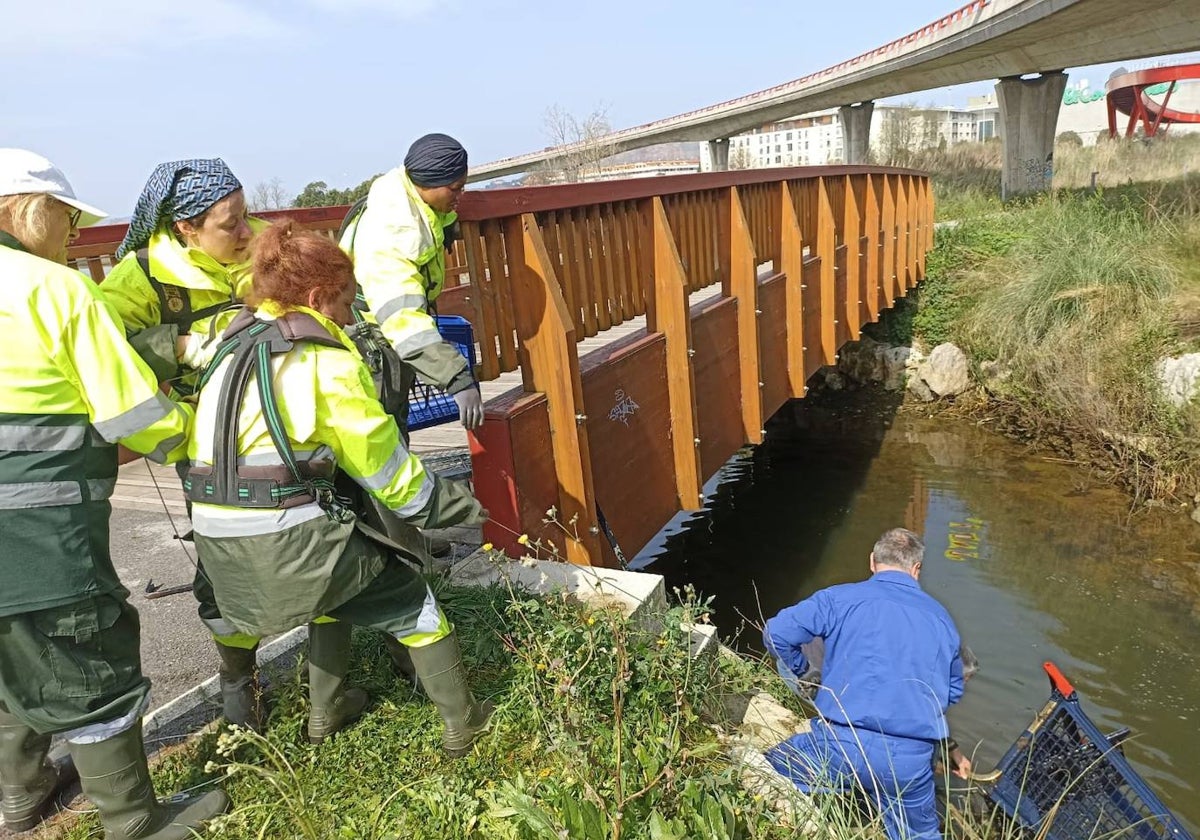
x,y
435,160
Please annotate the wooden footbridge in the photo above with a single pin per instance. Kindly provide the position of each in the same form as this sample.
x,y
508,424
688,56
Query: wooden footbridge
x,y
721,293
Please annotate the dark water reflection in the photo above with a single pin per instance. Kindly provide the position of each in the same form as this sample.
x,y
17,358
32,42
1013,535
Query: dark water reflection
x,y
1034,560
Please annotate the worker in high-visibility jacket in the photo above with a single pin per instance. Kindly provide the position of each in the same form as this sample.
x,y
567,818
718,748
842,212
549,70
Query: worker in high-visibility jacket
x,y
184,269
184,265
70,388
286,405
398,239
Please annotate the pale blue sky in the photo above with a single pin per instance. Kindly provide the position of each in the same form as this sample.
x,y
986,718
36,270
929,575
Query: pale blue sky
x,y
335,90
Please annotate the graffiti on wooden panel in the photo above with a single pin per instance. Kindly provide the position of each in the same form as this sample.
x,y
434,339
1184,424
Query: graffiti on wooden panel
x,y
624,409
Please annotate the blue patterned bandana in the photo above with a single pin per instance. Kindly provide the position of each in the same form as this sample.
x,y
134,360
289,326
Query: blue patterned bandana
x,y
177,190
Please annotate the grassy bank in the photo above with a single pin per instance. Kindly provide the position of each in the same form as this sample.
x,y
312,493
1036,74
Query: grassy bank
x,y
966,177
1065,304
601,732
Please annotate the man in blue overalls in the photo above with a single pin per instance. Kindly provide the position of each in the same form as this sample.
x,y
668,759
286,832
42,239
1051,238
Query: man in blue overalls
x,y
892,667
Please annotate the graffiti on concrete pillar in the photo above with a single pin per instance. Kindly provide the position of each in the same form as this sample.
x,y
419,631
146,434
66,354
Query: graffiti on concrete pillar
x,y
1039,173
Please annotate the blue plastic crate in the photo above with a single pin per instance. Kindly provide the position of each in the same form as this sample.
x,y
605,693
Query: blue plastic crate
x,y
1065,780
429,405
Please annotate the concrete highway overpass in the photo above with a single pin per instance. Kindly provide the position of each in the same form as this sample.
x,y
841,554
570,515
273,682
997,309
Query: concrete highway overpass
x,y
986,39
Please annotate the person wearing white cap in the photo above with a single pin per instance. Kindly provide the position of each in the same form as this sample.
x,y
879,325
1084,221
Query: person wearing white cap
x,y
71,387
38,198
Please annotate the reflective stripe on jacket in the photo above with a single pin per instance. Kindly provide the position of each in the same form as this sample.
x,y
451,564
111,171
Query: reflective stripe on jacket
x,y
274,568
70,388
202,279
398,246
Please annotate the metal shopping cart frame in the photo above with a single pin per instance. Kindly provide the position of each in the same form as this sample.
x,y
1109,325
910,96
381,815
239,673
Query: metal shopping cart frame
x,y
1066,780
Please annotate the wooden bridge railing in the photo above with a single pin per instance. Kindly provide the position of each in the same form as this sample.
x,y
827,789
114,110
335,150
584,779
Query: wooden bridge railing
x,y
94,252
804,258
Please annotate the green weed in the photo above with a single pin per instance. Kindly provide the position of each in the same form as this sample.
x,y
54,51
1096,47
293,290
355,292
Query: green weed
x,y
602,730
1075,298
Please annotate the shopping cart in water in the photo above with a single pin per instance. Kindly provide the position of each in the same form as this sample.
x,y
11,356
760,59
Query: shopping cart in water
x,y
1064,779
429,405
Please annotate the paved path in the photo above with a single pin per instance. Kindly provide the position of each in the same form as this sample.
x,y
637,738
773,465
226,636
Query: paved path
x,y
176,651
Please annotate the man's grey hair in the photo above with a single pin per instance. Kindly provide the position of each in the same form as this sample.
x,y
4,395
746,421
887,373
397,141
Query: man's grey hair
x,y
899,548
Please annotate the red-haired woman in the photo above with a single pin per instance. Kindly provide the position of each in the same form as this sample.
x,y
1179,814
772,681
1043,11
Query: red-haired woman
x,y
285,404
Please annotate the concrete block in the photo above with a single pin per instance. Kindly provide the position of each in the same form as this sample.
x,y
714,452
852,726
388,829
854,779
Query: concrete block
x,y
760,721
703,639
639,596
760,779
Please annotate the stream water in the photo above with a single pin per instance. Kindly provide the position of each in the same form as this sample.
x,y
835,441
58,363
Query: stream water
x,y
1034,559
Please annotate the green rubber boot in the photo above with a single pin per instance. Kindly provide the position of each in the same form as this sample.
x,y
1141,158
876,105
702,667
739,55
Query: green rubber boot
x,y
241,695
440,669
402,664
28,781
114,775
332,705
439,547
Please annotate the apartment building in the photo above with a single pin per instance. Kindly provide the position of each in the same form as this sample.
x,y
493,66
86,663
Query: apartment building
x,y
816,139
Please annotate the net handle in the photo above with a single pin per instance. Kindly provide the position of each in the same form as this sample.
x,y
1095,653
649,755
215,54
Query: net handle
x,y
1058,682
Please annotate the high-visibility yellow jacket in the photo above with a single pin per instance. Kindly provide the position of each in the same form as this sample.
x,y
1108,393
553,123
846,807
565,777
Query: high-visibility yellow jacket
x,y
398,246
70,388
274,568
191,282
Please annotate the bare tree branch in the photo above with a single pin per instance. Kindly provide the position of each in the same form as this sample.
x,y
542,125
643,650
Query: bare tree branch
x,y
583,141
269,195
906,131
740,158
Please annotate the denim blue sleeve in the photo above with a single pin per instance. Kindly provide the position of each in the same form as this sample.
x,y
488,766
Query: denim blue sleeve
x,y
795,626
956,674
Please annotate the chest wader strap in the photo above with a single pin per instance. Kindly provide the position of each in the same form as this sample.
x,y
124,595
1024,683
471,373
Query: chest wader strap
x,y
251,344
356,210
175,302
393,379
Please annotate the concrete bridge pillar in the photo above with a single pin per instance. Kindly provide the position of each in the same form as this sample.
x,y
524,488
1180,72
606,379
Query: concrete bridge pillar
x,y
856,131
1028,118
718,153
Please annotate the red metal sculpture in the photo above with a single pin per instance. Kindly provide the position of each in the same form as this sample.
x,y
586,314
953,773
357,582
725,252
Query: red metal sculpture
x,y
1130,94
